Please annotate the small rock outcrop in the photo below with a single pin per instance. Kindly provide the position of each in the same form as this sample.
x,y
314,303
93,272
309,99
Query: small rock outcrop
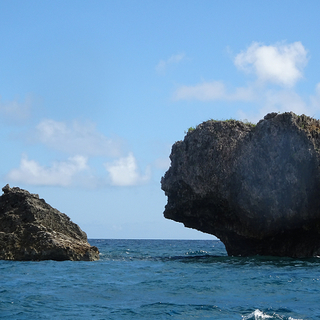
x,y
30,229
255,187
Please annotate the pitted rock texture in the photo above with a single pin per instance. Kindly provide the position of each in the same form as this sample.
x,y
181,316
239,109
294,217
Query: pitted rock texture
x,y
257,188
30,229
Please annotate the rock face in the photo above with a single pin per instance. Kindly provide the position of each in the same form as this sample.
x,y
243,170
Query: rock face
x,y
257,188
30,229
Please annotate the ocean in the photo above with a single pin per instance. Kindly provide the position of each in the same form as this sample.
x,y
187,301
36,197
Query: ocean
x,y
161,279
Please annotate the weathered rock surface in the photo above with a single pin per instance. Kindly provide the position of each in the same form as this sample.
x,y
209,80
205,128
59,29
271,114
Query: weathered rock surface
x,y
30,229
257,188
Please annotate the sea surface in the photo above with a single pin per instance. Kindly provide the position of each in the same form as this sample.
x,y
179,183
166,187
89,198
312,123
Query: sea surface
x,y
161,279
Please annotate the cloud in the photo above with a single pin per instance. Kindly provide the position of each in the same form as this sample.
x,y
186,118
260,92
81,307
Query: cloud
x,y
15,111
277,101
205,91
76,138
210,91
124,172
281,64
285,101
162,66
59,174
82,142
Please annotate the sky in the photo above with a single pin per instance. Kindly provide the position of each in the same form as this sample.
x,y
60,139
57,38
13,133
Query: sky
x,y
93,94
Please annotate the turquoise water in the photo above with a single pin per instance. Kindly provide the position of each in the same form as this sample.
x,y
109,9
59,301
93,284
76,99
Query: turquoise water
x,y
161,279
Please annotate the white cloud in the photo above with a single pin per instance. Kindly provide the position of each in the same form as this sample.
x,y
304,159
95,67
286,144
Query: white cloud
x,y
205,91
85,142
76,138
210,91
285,101
163,64
124,172
276,101
15,111
280,64
59,174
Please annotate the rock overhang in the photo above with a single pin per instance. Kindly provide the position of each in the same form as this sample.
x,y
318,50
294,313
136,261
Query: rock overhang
x,y
250,184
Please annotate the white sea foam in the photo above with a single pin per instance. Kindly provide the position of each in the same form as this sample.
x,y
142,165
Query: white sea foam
x,y
259,315
256,315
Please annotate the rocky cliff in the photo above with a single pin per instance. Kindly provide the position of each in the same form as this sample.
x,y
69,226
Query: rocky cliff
x,y
257,188
30,229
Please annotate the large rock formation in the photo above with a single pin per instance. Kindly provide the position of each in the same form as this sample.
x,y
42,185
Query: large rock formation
x,y
257,188
30,229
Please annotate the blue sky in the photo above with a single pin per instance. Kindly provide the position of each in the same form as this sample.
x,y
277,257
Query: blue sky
x,y
94,93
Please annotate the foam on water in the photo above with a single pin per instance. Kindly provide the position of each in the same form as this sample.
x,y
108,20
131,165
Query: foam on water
x,y
256,315
259,315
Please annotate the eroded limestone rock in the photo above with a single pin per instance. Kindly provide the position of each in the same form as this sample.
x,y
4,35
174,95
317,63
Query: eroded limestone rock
x,y
30,229
257,188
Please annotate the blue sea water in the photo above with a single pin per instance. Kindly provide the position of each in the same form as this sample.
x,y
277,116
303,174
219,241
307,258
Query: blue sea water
x,y
161,279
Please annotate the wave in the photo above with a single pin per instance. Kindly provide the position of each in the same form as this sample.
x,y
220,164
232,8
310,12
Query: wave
x,y
260,315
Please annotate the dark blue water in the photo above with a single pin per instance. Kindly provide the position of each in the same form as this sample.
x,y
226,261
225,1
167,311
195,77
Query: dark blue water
x,y
161,279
